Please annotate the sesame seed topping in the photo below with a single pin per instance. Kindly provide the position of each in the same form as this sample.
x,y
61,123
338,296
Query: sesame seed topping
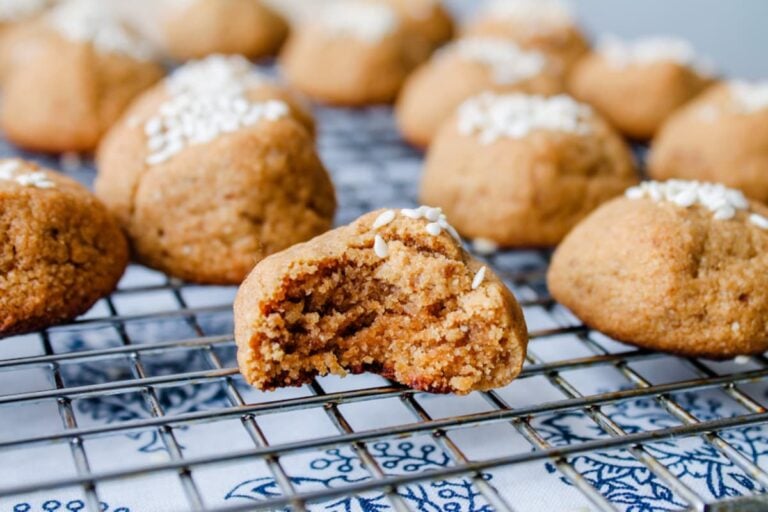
x,y
380,247
749,96
433,228
484,246
98,23
437,220
491,117
19,10
759,220
722,201
367,21
230,75
649,50
507,62
478,279
535,14
741,360
13,170
384,218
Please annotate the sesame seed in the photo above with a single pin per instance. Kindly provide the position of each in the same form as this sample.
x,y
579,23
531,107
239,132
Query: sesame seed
x,y
380,247
383,219
735,326
434,229
478,279
411,213
741,359
484,246
759,220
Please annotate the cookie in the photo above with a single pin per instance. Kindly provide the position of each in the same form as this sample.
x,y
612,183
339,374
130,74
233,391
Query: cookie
x,y
198,28
676,266
463,69
547,26
350,52
428,21
61,250
521,170
14,14
392,293
721,136
79,68
207,178
659,74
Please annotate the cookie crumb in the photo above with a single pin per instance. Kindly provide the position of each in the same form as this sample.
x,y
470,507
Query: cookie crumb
x,y
741,360
384,219
380,247
515,116
479,277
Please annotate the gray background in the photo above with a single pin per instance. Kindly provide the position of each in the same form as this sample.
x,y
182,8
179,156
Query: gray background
x,y
732,33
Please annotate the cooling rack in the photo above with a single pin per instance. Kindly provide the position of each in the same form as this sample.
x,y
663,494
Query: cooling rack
x,y
143,394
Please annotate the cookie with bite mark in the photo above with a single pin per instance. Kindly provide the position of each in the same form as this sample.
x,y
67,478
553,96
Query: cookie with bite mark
x,y
392,293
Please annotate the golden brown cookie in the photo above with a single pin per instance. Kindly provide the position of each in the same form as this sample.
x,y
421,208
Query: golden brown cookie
x,y
522,170
74,73
198,28
61,250
676,266
427,20
350,52
14,14
543,25
721,136
637,85
393,293
463,69
206,180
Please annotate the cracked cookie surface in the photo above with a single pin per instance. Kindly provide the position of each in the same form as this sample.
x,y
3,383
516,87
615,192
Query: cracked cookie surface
x,y
60,252
390,293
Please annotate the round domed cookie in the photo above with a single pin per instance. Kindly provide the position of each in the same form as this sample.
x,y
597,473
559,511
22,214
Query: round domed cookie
x,y
206,180
75,72
393,293
676,266
721,136
521,170
198,28
61,250
659,75
463,69
547,26
429,22
350,52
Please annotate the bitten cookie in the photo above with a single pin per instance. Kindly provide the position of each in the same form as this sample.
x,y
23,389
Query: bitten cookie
x,y
543,25
721,136
61,250
197,28
350,52
79,68
463,69
522,170
207,177
393,293
636,85
675,266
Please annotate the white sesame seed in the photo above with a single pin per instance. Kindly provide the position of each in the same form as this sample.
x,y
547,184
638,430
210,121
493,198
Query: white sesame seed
x,y
434,229
380,247
484,246
741,360
433,214
478,279
759,220
411,213
725,212
383,219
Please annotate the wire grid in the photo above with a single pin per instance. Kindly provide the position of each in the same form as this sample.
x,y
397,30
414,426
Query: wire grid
x,y
371,169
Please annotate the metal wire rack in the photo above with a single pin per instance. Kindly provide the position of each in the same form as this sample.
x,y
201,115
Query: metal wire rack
x,y
156,342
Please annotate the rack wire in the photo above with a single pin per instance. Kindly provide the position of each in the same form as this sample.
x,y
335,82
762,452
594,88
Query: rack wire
x,y
156,336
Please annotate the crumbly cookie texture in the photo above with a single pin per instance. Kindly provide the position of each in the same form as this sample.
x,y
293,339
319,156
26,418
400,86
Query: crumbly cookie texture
x,y
208,184
677,266
60,249
463,69
659,74
194,29
521,171
392,293
68,77
544,25
720,136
